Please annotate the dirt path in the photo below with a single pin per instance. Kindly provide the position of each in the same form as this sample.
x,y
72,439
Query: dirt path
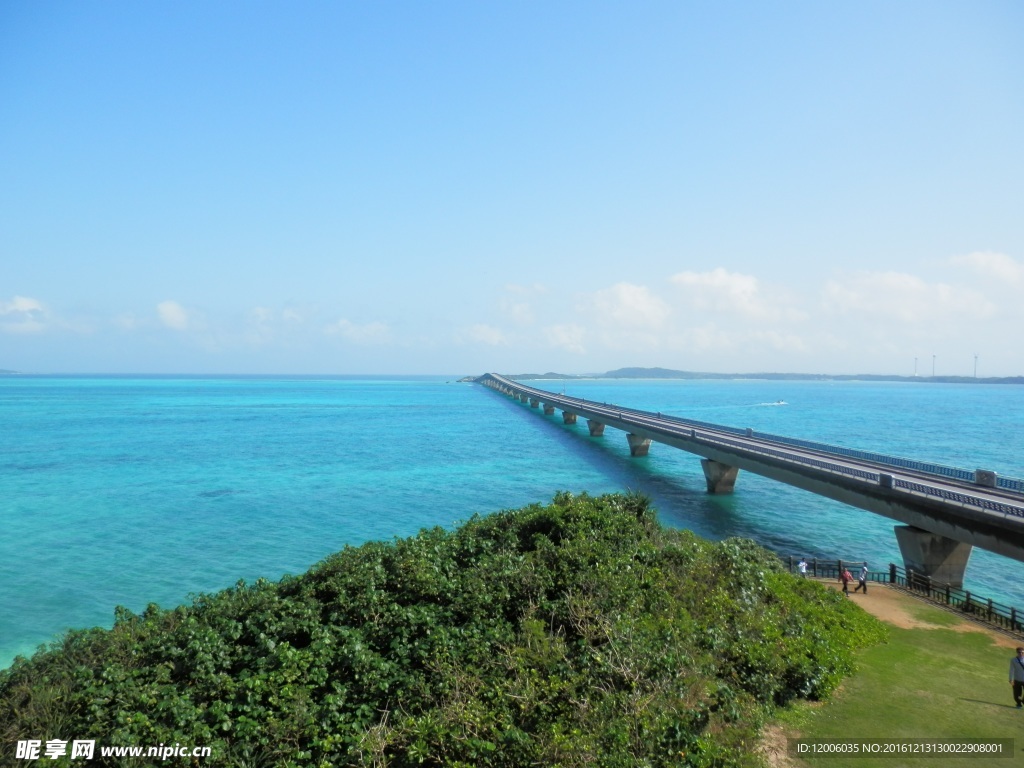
x,y
895,607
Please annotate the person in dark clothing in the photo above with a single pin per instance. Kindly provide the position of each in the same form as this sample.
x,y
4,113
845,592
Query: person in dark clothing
x,y
862,580
1017,677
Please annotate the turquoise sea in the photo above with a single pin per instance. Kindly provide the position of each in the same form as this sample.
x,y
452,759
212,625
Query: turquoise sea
x,y
132,490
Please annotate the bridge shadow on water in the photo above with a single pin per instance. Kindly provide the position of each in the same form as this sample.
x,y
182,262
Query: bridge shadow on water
x,y
671,478
773,514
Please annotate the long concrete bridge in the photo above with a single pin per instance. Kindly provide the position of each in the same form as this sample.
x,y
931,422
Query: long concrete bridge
x,y
943,511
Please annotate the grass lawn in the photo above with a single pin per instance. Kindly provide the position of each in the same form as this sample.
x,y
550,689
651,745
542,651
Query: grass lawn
x,y
931,682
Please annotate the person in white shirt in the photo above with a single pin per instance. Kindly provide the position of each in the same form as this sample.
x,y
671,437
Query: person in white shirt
x,y
862,580
1017,677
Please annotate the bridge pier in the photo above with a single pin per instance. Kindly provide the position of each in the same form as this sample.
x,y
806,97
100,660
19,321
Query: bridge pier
x,y
548,409
638,446
720,477
568,418
596,428
927,553
534,402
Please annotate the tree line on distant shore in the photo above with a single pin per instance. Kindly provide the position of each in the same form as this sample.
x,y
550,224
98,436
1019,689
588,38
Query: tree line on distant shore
x,y
668,373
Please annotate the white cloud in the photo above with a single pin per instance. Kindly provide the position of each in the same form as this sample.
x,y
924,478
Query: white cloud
x,y
702,338
260,326
520,311
267,319
173,315
780,340
528,290
989,264
518,304
20,304
719,286
630,306
696,320
367,333
711,336
126,321
22,315
568,337
723,311
734,293
903,298
484,334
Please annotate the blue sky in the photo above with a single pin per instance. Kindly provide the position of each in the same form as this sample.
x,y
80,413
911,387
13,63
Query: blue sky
x,y
452,188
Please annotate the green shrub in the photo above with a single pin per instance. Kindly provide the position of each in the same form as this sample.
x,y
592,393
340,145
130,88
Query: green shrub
x,y
576,633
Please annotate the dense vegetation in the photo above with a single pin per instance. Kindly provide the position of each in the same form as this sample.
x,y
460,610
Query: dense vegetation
x,y
577,633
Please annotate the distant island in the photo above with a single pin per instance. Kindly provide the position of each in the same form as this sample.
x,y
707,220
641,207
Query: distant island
x,y
667,373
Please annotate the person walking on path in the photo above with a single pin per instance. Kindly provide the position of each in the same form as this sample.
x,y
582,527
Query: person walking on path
x,y
862,580
846,578
1017,677
802,565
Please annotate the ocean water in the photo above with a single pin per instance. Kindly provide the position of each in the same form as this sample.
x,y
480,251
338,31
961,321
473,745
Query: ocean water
x,y
132,490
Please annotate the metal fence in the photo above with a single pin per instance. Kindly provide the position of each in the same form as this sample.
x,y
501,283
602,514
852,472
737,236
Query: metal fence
x,y
974,606
830,569
980,608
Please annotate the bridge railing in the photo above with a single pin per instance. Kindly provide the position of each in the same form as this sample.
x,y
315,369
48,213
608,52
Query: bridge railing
x,y
879,458
978,608
1010,483
960,498
929,468
830,569
945,494
816,463
957,497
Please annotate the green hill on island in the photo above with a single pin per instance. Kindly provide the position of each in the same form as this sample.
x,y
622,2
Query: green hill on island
x,y
577,633
668,373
